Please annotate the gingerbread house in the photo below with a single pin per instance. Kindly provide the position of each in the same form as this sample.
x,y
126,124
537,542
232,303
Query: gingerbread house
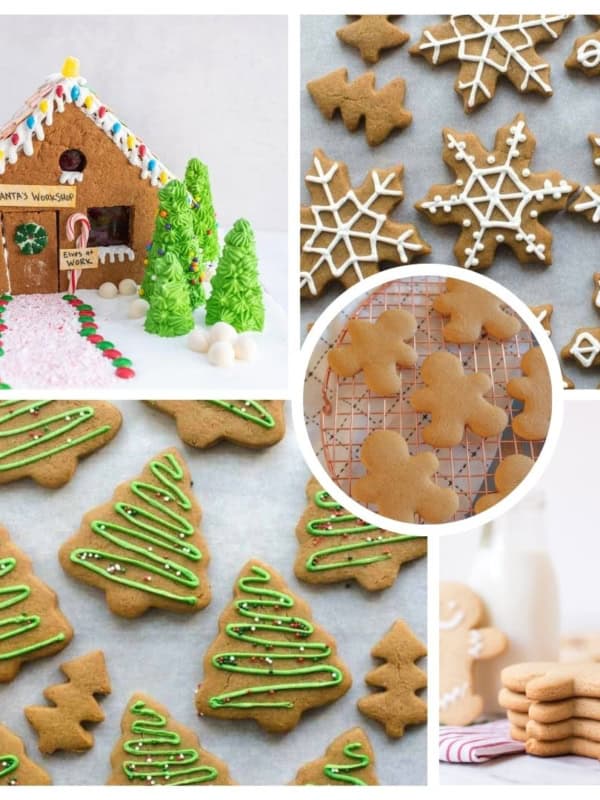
x,y
78,191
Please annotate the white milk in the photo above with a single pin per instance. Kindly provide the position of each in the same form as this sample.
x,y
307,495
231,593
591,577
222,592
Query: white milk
x,y
514,576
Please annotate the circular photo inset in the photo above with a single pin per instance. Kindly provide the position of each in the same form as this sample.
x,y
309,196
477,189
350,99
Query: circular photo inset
x,y
430,395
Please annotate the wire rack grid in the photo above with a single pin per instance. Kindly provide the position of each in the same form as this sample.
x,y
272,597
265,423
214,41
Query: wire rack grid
x,y
349,411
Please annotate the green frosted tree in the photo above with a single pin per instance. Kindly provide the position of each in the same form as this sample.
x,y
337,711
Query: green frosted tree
x,y
236,295
170,312
174,235
197,182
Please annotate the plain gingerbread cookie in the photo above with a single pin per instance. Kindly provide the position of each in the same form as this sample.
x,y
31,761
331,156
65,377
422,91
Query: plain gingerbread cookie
x,y
509,474
534,389
372,33
473,311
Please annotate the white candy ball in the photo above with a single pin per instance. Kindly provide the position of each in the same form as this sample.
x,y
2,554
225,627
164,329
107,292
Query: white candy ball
x,y
128,286
198,341
108,290
245,347
222,332
221,354
138,309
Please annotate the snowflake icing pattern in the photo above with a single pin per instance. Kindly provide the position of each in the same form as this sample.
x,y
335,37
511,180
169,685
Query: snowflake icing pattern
x,y
346,233
588,202
496,198
492,45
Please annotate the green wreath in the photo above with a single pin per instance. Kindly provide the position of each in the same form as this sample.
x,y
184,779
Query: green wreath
x,y
31,238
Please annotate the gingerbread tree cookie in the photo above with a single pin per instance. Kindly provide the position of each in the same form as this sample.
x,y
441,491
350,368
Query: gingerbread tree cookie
x,y
59,726
496,198
584,347
509,474
16,769
381,109
585,55
473,310
31,622
248,423
399,485
335,546
462,643
346,233
377,348
455,401
143,547
397,705
535,390
349,760
156,750
44,439
372,33
588,202
490,46
270,661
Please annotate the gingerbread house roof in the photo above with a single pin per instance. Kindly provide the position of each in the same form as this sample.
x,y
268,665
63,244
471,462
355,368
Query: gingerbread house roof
x,y
58,91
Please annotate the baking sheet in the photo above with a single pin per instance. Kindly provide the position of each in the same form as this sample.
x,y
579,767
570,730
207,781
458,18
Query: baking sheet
x,y
560,124
251,502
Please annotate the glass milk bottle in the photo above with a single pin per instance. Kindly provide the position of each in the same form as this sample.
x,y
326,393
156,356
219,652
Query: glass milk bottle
x,y
513,574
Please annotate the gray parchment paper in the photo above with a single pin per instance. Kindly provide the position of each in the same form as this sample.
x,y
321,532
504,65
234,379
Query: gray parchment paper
x,y
251,502
560,124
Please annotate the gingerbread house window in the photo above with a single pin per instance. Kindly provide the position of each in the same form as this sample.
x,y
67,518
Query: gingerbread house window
x,y
72,161
110,226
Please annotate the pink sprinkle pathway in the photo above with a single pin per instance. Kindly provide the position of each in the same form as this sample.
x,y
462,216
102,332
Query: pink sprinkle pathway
x,y
43,348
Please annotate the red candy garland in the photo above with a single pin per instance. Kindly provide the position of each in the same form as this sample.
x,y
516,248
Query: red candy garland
x,y
4,301
89,329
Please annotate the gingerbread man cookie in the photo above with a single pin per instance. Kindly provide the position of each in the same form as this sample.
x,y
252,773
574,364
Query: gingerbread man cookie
x,y
535,390
473,310
399,485
372,33
462,643
455,401
509,474
377,348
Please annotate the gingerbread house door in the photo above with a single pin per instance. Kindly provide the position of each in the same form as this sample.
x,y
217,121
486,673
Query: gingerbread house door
x,y
32,251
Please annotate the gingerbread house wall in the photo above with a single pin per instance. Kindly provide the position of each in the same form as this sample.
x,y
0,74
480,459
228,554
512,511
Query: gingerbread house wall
x,y
108,180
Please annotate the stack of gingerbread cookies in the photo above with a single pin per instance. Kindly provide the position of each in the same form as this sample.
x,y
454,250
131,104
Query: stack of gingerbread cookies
x,y
553,707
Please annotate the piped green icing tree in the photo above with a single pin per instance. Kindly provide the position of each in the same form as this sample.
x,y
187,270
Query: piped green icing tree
x,y
170,313
236,295
174,235
197,182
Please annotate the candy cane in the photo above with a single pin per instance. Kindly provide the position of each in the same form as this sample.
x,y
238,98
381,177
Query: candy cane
x,y
81,242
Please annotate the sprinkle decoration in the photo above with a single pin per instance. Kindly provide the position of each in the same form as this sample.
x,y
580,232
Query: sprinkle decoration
x,y
89,330
4,301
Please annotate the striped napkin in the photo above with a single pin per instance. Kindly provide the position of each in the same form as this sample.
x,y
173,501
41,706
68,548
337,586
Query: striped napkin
x,y
477,743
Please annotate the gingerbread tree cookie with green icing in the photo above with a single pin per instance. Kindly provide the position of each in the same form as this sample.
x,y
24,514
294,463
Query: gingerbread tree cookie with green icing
x,y
16,769
270,661
144,547
248,423
31,624
44,439
335,546
155,750
349,760
236,296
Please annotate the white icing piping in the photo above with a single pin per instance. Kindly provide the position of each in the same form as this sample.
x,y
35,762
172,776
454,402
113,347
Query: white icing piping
x,y
448,698
588,54
588,205
5,250
51,99
343,231
71,177
117,251
453,622
475,643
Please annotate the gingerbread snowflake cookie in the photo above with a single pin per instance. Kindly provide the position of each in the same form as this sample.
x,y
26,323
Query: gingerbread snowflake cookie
x,y
543,314
473,311
496,198
583,348
372,33
346,233
377,349
509,474
455,401
585,55
491,46
399,485
462,643
534,389
381,109
588,202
